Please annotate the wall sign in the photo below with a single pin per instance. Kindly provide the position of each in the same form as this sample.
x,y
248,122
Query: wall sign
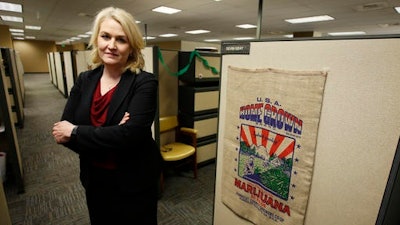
x,y
272,119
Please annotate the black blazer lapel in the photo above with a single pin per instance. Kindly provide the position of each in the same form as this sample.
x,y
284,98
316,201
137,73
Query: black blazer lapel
x,y
123,90
89,88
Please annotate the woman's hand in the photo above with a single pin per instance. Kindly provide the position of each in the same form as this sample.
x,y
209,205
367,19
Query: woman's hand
x,y
62,131
124,119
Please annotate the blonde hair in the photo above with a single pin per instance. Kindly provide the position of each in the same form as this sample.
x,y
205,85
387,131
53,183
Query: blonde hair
x,y
128,24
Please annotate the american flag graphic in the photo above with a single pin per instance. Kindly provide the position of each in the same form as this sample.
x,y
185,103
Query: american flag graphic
x,y
281,146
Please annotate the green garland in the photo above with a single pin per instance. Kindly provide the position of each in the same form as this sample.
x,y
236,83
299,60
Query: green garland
x,y
185,69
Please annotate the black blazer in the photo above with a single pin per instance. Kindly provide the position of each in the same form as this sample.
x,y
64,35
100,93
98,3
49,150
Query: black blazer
x,y
137,155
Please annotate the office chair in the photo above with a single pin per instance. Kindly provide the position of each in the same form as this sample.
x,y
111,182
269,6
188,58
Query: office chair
x,y
181,150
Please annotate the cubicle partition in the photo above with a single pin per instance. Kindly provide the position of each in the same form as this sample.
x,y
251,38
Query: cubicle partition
x,y
356,140
14,83
69,71
9,117
52,68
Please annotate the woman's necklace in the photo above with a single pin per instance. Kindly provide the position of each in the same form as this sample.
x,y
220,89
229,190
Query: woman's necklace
x,y
108,83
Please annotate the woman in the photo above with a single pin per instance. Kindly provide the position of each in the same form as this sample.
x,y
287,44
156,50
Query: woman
x,y
107,121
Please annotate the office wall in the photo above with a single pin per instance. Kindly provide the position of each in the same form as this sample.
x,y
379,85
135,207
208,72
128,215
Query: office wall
x,y
34,54
191,45
4,214
184,45
359,126
77,47
5,37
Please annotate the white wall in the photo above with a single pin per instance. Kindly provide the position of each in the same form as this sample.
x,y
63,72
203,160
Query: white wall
x,y
191,45
359,126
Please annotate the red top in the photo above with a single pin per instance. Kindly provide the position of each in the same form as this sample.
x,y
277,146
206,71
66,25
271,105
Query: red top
x,y
100,103
98,116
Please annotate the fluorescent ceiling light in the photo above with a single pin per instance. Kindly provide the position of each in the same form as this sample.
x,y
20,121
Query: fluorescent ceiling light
x,y
89,33
347,33
5,6
12,19
19,38
149,38
33,27
244,38
246,26
17,34
84,35
75,38
16,30
168,35
166,10
212,40
30,37
288,36
397,9
310,19
197,31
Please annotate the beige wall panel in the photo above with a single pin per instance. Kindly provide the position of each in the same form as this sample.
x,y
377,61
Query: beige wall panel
x,y
168,84
359,126
69,73
4,214
82,61
5,37
33,54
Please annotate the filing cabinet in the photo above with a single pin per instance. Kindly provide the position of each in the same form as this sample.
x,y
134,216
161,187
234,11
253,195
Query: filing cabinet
x,y
206,150
197,73
206,125
198,100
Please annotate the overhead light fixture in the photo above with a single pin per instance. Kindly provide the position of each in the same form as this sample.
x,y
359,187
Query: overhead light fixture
x,y
11,7
166,10
30,37
288,35
19,38
197,31
310,19
12,19
33,27
149,38
212,40
346,33
89,33
84,35
168,35
246,26
243,38
397,9
17,34
16,30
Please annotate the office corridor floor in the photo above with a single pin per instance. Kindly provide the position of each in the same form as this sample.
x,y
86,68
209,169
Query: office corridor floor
x,y
53,194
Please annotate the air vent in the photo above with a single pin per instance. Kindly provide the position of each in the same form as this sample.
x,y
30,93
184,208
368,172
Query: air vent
x,y
371,6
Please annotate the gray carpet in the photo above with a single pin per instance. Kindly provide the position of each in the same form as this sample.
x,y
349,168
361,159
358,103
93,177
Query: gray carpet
x,y
53,193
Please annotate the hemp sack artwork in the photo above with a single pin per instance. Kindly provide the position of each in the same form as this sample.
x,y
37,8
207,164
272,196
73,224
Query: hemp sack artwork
x,y
270,137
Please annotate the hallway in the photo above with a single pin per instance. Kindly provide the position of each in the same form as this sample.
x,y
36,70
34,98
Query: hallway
x,y
53,193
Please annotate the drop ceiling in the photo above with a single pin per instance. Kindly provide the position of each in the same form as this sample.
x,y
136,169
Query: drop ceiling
x,y
63,19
